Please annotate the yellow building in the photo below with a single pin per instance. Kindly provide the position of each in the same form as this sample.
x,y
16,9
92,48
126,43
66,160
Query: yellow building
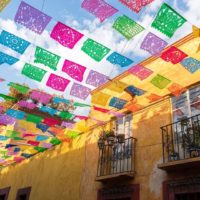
x,y
152,163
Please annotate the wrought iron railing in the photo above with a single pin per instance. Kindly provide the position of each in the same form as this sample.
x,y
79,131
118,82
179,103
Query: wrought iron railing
x,y
117,158
181,140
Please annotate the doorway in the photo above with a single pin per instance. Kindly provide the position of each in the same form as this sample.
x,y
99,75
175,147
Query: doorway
x,y
188,196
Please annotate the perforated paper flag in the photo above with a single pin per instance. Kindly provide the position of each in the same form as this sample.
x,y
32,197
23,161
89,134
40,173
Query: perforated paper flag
x,y
10,60
26,104
74,70
65,35
176,89
48,110
117,86
57,82
168,20
95,50
134,107
41,138
99,8
100,98
191,64
20,88
41,97
140,71
3,4
96,79
103,110
6,119
117,103
51,122
153,97
31,18
173,55
80,91
47,58
117,59
153,44
69,125
160,81
33,118
127,27
8,98
12,41
33,72
60,100
132,90
134,5
42,127
66,115
15,113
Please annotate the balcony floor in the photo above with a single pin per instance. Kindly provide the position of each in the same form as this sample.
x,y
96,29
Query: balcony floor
x,y
120,176
181,164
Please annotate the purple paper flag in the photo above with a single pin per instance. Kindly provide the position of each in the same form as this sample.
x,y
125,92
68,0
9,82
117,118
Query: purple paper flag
x,y
31,18
96,79
80,91
153,44
5,119
68,124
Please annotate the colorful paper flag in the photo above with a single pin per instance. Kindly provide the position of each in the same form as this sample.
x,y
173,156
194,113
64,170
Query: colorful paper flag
x,y
15,113
168,20
153,97
134,5
42,127
153,44
41,97
26,104
118,59
33,118
80,91
173,55
132,90
48,110
117,103
51,121
191,64
99,8
96,79
117,86
3,4
127,27
160,81
13,42
60,100
6,119
20,88
31,18
95,50
103,110
100,98
69,125
46,58
10,60
33,72
134,107
74,70
176,89
65,35
41,138
72,134
55,141
77,104
57,82
66,115
8,98
140,71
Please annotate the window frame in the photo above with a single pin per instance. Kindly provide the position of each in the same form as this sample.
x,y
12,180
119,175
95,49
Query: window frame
x,y
5,191
24,191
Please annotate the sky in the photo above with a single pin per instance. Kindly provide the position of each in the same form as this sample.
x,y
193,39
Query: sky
x,y
71,13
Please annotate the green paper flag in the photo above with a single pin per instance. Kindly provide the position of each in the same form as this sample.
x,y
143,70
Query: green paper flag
x,y
40,149
11,134
33,72
168,20
46,58
160,81
8,98
33,118
18,138
66,115
95,50
20,88
127,27
76,104
72,134
55,141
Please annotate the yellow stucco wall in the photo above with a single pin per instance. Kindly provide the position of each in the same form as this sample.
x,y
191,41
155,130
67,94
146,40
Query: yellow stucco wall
x,y
68,171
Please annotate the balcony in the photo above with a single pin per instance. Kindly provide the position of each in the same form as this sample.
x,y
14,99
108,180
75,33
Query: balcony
x,y
181,144
116,160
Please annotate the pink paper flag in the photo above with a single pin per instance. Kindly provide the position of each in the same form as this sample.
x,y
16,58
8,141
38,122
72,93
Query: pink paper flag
x,y
80,91
46,145
74,70
57,82
2,80
65,35
26,104
41,97
99,8
81,117
140,71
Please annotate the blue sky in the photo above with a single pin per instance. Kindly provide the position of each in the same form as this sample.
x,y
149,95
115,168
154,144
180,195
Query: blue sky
x,y
71,13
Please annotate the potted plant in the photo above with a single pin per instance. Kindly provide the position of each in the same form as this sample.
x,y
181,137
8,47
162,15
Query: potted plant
x,y
121,138
110,137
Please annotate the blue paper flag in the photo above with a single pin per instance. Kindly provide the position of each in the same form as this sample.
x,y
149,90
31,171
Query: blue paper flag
x,y
17,149
4,58
48,110
134,91
15,43
117,103
2,137
26,155
191,64
15,113
41,137
60,100
117,59
42,127
10,145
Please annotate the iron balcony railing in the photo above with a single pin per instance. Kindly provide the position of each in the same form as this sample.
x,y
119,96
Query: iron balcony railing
x,y
117,158
181,140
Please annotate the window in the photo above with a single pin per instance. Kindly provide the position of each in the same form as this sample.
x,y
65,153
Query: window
x,y
23,194
4,193
187,105
124,125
